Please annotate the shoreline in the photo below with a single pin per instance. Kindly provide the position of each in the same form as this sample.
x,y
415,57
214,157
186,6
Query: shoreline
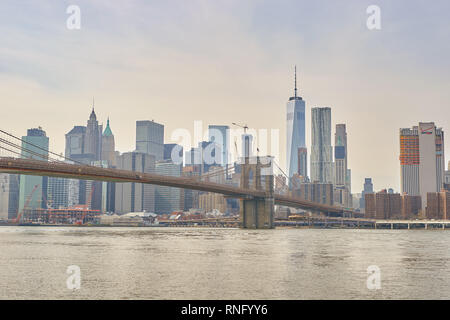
x,y
430,226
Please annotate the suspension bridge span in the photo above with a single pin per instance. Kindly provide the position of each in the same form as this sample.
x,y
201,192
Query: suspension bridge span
x,y
256,200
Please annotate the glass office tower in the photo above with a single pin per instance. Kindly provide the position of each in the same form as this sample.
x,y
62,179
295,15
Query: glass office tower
x,y
295,130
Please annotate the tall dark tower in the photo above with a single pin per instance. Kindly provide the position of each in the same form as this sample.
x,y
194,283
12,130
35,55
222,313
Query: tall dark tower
x,y
93,137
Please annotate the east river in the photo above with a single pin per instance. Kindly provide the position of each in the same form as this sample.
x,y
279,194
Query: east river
x,y
209,263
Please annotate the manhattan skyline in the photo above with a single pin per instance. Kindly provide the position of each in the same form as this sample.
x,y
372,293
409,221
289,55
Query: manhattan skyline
x,y
146,59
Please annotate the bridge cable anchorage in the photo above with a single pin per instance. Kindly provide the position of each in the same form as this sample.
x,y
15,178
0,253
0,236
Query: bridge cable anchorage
x,y
43,149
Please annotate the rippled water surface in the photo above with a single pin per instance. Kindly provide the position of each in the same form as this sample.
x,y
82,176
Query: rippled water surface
x,y
196,263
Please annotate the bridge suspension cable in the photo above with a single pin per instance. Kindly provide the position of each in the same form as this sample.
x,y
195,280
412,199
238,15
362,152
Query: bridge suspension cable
x,y
26,150
287,177
14,145
9,150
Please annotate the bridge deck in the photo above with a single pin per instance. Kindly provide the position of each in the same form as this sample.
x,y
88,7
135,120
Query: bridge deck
x,y
84,172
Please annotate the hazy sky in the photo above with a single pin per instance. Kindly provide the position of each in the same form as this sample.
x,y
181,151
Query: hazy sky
x,y
229,61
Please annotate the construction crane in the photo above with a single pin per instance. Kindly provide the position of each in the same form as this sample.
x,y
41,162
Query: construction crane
x,y
244,126
17,220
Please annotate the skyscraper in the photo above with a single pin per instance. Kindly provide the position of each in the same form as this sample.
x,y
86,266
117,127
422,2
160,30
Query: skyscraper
x,y
62,192
173,152
349,180
97,191
447,178
321,150
84,144
75,141
108,146
303,162
422,160
150,138
190,196
93,140
34,146
220,135
295,130
340,155
193,157
368,188
9,195
168,199
211,155
247,145
103,195
135,197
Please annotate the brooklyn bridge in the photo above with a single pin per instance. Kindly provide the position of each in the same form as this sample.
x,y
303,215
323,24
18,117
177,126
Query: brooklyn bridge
x,y
256,191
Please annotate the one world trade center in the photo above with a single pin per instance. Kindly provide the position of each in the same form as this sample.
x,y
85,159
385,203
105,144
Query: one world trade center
x,y
295,139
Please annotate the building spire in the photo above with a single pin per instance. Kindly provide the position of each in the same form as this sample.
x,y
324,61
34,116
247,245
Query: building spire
x,y
295,80
93,116
107,131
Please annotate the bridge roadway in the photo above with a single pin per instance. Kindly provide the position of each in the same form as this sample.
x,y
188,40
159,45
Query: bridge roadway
x,y
84,172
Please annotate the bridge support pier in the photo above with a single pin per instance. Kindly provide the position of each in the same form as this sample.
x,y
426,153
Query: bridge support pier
x,y
257,213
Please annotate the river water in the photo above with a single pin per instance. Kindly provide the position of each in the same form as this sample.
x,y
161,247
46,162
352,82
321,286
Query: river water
x,y
197,263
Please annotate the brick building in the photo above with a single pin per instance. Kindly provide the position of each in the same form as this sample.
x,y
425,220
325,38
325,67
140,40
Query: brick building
x,y
383,205
438,205
411,206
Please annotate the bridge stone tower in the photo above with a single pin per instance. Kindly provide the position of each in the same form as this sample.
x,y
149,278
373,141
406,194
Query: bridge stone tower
x,y
257,213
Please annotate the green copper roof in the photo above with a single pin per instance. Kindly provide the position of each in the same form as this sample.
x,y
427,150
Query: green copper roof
x,y
107,131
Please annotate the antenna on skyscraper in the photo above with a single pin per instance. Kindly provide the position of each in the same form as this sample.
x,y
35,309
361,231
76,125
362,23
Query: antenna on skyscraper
x,y
93,103
295,80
